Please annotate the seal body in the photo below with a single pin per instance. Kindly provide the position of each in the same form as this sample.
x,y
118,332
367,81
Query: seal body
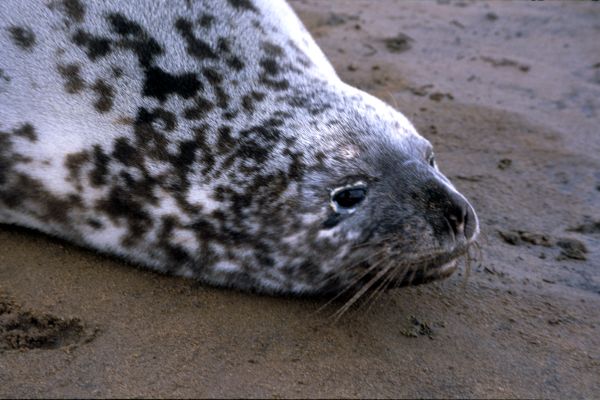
x,y
212,139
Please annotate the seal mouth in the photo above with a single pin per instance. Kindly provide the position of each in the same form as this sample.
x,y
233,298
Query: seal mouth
x,y
429,274
378,276
416,272
440,268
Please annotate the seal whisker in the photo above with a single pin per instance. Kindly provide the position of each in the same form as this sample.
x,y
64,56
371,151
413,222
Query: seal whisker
x,y
350,285
392,276
479,253
379,289
338,314
356,279
395,270
470,258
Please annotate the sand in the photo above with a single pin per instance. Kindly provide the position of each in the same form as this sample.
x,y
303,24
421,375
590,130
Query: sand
x,y
509,94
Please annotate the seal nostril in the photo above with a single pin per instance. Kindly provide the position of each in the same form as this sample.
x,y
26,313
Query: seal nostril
x,y
458,216
462,219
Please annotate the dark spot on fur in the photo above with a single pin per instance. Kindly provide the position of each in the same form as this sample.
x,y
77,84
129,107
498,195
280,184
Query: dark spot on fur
x,y
225,142
229,115
96,46
141,189
131,37
150,136
298,101
186,156
256,143
320,157
120,206
70,73
212,76
258,96
49,207
6,161
235,63
232,60
124,26
20,158
100,160
124,152
272,49
199,111
22,37
206,20
249,99
3,76
27,131
149,117
207,158
223,45
281,84
175,253
160,84
195,47
74,10
106,95
94,223
134,38
270,66
74,162
117,72
297,167
245,5
310,103
222,97
247,103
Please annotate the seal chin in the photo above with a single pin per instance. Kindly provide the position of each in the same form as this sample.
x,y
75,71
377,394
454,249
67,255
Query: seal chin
x,y
427,274
443,271
402,272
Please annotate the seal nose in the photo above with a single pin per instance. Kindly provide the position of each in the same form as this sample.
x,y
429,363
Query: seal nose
x,y
460,216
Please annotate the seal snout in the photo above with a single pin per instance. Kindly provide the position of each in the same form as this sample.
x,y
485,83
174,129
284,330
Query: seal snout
x,y
449,213
460,216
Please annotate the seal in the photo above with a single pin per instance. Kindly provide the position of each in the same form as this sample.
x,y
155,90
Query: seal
x,y
212,139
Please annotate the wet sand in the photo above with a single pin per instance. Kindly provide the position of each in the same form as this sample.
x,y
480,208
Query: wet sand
x,y
509,94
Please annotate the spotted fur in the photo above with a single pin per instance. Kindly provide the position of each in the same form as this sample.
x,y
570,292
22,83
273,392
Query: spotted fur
x,y
205,139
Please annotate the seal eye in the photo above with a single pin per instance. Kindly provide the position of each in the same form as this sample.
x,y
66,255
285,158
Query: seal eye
x,y
350,197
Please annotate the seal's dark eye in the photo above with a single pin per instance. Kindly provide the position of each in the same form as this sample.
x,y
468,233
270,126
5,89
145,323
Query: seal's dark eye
x,y
349,198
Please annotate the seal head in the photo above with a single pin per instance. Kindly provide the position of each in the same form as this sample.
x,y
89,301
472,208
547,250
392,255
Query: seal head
x,y
371,203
